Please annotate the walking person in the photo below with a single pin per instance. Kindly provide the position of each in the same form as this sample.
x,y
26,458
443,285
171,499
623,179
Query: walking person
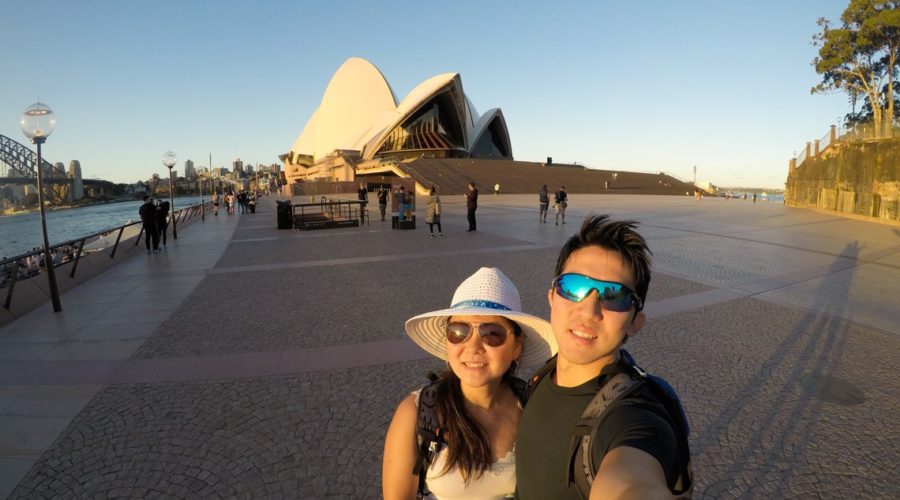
x,y
148,218
596,425
467,417
543,204
433,212
382,201
362,194
471,205
215,199
162,220
560,202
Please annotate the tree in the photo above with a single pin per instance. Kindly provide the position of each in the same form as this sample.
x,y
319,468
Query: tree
x,y
860,58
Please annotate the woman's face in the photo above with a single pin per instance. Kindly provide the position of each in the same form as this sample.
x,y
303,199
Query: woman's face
x,y
473,359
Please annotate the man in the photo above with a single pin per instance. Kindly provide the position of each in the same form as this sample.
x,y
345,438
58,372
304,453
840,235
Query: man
x,y
635,444
543,204
162,220
561,202
362,194
471,205
148,217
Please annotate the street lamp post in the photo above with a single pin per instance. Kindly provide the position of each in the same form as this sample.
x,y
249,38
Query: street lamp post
x,y
169,160
200,187
37,122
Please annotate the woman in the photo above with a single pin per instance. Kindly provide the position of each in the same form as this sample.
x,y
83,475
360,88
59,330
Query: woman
x,y
433,212
484,337
215,198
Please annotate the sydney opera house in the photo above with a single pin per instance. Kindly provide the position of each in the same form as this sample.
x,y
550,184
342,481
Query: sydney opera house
x,y
359,123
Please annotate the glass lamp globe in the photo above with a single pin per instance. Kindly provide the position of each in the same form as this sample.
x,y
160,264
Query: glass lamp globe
x,y
169,159
38,121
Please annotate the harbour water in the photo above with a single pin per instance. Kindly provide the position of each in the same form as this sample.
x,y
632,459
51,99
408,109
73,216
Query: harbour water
x,y
22,232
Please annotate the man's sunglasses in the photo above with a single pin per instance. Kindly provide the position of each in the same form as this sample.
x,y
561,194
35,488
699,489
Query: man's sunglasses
x,y
492,334
612,296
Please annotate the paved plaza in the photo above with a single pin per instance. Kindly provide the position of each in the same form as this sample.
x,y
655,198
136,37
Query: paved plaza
x,y
250,362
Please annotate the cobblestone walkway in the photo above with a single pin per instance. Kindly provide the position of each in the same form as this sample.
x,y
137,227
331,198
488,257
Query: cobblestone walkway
x,y
250,362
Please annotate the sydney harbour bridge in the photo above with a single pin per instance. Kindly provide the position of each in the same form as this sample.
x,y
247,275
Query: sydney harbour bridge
x,y
18,165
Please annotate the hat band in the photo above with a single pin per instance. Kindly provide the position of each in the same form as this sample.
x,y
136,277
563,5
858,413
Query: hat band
x,y
480,303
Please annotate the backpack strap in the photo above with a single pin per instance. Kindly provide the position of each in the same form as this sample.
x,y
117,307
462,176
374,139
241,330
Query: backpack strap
x,y
618,388
586,430
539,375
429,438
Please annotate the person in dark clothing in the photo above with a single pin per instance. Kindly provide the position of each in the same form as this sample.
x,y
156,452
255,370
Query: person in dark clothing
x,y
561,201
596,304
382,201
362,194
543,204
471,205
148,218
162,220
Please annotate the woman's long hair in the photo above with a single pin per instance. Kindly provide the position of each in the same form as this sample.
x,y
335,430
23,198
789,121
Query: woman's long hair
x,y
468,445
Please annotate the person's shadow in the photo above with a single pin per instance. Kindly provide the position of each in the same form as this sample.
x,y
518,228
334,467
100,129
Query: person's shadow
x,y
772,441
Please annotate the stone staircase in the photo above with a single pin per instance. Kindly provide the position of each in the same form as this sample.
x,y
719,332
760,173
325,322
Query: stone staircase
x,y
452,175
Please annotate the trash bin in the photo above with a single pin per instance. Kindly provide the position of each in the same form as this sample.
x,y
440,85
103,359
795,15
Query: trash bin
x,y
283,210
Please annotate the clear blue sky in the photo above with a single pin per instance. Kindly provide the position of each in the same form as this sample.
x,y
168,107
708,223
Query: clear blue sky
x,y
640,86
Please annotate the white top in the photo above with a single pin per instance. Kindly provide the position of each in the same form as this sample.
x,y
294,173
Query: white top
x,y
495,483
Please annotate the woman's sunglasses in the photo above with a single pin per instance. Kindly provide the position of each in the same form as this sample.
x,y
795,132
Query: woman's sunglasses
x,y
492,334
612,296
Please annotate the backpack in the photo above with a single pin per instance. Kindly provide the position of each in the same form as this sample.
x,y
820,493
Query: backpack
x,y
581,468
429,435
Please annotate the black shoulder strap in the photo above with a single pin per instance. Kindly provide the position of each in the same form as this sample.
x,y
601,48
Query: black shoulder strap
x,y
539,375
585,431
616,389
428,432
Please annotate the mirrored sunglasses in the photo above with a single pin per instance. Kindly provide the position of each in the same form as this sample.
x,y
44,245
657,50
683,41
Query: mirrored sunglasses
x,y
492,334
613,296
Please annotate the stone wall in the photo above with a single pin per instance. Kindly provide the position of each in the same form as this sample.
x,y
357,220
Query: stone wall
x,y
861,178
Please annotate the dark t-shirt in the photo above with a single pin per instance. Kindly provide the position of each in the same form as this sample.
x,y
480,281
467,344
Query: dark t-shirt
x,y
472,198
382,197
546,430
362,194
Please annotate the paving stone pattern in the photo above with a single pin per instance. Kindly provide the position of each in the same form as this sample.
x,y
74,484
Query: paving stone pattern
x,y
307,436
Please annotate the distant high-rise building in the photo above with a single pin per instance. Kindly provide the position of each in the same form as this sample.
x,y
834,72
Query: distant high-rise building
x,y
77,182
238,166
190,172
249,169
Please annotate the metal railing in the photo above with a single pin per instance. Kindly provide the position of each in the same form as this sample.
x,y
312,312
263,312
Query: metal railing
x,y
31,264
329,213
852,133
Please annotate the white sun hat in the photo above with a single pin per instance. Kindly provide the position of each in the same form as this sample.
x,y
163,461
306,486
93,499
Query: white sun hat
x,y
488,292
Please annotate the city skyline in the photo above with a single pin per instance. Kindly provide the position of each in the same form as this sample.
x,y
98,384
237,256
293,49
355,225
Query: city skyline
x,y
649,87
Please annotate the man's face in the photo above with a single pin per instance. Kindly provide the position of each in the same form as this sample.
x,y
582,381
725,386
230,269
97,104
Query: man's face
x,y
586,332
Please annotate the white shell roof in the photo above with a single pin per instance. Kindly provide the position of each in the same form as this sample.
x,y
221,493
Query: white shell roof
x,y
356,95
359,109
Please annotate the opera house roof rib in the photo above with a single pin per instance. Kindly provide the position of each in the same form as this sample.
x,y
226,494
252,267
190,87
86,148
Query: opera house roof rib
x,y
359,112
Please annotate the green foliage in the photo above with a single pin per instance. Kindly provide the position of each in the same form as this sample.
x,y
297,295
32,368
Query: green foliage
x,y
860,58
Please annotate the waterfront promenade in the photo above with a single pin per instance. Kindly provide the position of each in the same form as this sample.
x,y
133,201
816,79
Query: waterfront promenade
x,y
250,362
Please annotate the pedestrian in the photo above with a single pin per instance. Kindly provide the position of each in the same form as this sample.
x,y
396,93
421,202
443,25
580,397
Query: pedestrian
x,y
496,189
382,201
754,197
215,203
162,220
148,218
560,202
473,406
362,194
401,203
543,204
433,212
471,205
638,445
